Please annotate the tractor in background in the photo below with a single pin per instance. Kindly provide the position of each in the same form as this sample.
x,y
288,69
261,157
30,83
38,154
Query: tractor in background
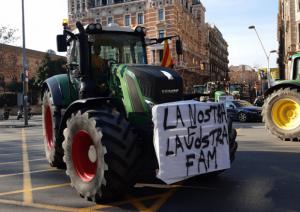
x,y
98,122
281,109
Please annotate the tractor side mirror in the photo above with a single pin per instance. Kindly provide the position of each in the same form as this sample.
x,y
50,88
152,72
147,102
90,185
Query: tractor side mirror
x,y
61,41
178,47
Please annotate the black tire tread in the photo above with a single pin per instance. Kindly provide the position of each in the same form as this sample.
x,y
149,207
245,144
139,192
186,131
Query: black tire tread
x,y
122,166
58,151
119,140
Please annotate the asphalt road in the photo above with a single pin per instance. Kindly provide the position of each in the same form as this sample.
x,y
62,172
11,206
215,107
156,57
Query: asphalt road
x,y
264,177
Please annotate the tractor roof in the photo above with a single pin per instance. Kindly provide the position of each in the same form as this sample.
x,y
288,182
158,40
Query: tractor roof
x,y
96,27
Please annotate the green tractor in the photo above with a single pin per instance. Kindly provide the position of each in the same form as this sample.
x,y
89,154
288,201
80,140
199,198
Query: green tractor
x,y
281,109
98,122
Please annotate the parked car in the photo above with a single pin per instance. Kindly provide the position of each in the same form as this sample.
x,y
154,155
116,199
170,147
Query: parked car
x,y
241,110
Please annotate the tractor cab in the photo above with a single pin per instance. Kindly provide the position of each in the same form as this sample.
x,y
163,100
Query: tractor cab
x,y
93,50
98,54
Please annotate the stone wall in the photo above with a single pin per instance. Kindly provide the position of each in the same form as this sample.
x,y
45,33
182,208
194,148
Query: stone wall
x,y
11,65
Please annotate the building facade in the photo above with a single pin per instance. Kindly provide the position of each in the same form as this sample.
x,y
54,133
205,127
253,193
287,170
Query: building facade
x,y
218,54
243,74
11,62
288,31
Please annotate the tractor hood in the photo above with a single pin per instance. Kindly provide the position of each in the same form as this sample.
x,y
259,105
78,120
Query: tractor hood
x,y
157,83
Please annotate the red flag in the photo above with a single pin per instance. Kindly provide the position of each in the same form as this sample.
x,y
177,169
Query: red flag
x,y
167,58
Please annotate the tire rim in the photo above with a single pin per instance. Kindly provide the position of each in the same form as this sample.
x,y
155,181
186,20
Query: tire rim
x,y
286,114
242,117
48,126
84,156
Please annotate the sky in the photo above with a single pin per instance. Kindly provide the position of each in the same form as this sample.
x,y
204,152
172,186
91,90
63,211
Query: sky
x,y
43,21
233,17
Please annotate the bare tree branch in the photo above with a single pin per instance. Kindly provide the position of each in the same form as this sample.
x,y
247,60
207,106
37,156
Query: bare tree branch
x,y
8,35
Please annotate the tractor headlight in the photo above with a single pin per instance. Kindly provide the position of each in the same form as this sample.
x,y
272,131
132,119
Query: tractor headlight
x,y
140,29
94,28
98,26
91,27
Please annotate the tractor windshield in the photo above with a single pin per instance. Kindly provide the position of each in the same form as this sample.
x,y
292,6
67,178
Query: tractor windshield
x,y
126,48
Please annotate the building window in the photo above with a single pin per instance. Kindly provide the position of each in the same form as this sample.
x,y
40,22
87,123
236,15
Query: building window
x,y
110,20
140,18
104,2
78,6
161,54
298,33
127,20
153,56
161,14
97,3
161,33
98,20
298,5
110,1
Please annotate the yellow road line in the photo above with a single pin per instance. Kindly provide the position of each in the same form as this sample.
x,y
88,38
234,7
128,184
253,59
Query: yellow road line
x,y
162,200
13,153
32,172
35,189
27,195
17,147
19,161
4,139
36,145
38,205
136,203
96,207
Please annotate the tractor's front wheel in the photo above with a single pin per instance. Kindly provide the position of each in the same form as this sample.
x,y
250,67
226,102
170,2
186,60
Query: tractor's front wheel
x,y
51,122
281,114
101,154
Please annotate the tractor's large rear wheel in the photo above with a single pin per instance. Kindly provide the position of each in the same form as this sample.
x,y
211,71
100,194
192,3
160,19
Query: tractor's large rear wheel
x,y
101,154
51,122
281,114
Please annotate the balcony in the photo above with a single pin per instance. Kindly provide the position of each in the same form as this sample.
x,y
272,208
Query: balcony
x,y
103,3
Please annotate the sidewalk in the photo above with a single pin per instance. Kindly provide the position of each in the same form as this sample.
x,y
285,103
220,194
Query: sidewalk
x,y
12,122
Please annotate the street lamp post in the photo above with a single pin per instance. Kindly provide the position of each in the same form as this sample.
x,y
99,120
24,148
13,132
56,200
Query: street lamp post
x,y
267,55
25,70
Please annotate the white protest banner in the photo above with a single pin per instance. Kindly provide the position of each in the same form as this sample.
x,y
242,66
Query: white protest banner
x,y
190,138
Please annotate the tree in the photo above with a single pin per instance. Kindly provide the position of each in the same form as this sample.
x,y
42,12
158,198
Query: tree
x,y
49,68
14,86
7,35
